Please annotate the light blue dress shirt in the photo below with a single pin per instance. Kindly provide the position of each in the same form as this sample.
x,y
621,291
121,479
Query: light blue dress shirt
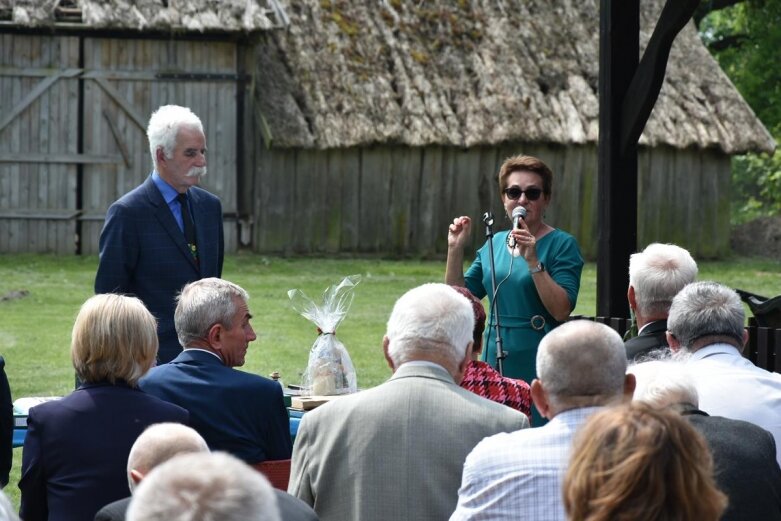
x,y
169,193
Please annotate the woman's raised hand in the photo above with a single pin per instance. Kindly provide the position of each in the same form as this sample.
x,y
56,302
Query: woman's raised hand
x,y
458,232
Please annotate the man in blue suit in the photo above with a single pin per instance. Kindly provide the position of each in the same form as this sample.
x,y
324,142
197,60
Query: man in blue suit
x,y
236,412
166,232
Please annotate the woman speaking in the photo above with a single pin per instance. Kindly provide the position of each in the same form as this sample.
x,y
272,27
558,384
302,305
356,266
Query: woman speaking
x,y
537,267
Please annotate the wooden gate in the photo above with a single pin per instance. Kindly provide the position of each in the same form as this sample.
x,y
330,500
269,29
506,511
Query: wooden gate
x,y
73,115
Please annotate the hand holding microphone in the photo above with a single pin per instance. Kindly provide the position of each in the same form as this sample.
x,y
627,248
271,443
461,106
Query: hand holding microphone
x,y
518,215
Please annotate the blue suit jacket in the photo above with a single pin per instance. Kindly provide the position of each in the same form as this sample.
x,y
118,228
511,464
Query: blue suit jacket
x,y
240,413
143,252
6,426
75,452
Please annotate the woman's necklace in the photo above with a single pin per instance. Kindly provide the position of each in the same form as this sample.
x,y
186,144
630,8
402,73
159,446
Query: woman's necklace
x,y
514,248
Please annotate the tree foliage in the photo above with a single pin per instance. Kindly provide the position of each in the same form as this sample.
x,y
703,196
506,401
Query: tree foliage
x,y
745,37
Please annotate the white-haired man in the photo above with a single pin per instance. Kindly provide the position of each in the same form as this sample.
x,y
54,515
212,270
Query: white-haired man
x,y
395,452
707,322
167,231
743,453
198,486
581,367
656,275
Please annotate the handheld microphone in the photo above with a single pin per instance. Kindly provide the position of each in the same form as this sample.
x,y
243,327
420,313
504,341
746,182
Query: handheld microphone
x,y
519,213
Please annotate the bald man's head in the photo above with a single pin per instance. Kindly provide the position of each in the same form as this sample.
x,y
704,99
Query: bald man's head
x,y
157,444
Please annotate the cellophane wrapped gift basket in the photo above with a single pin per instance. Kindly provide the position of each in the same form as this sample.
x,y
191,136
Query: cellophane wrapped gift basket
x,y
330,370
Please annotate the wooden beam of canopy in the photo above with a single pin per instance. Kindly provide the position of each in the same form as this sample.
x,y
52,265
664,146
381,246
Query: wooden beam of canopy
x,y
628,89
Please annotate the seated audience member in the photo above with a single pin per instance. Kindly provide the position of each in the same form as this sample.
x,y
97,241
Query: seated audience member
x,y
706,324
581,367
204,486
744,454
6,426
395,452
240,413
7,512
76,448
157,444
637,463
481,378
163,441
656,275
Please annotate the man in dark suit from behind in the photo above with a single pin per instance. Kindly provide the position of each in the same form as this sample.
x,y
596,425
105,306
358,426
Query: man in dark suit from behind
x,y
237,412
656,275
161,442
6,426
167,231
744,454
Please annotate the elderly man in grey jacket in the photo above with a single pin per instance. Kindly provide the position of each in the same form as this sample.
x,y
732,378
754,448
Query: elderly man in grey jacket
x,y
395,452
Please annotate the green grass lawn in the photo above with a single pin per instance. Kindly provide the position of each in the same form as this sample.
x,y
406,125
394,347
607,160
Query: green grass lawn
x,y
35,329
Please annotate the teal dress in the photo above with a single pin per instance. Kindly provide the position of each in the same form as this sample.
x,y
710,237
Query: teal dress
x,y
522,316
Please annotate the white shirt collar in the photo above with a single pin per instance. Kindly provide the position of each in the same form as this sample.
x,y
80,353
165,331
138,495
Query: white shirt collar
x,y
420,363
646,325
714,349
205,351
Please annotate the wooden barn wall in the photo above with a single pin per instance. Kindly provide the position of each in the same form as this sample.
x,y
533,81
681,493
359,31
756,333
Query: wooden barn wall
x,y
399,200
37,198
49,189
689,194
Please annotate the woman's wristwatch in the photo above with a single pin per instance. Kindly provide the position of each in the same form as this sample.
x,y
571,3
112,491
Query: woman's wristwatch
x,y
540,267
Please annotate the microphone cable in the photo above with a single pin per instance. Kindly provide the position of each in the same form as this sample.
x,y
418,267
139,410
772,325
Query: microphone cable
x,y
491,303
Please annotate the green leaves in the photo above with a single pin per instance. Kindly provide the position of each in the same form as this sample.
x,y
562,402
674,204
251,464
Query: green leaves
x,y
745,38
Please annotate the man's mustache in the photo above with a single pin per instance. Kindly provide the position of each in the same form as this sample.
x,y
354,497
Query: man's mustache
x,y
197,171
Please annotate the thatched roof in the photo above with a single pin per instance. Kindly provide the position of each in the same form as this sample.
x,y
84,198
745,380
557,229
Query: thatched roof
x,y
475,72
139,15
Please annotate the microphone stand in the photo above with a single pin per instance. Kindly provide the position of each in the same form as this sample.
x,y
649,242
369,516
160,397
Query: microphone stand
x,y
488,220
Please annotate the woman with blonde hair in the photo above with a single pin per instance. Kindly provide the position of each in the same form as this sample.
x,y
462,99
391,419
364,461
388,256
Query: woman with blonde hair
x,y
634,463
76,448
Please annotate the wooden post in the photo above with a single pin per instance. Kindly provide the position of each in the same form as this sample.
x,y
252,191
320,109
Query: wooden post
x,y
619,28
627,95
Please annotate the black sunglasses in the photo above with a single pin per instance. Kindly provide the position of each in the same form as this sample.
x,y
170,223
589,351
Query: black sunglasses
x,y
514,193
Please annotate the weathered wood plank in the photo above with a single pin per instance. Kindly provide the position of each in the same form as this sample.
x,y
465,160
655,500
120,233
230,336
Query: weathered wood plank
x,y
716,179
467,180
430,187
566,200
674,213
648,186
405,171
349,163
690,172
309,202
587,234
274,228
375,185
45,157
96,179
488,195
